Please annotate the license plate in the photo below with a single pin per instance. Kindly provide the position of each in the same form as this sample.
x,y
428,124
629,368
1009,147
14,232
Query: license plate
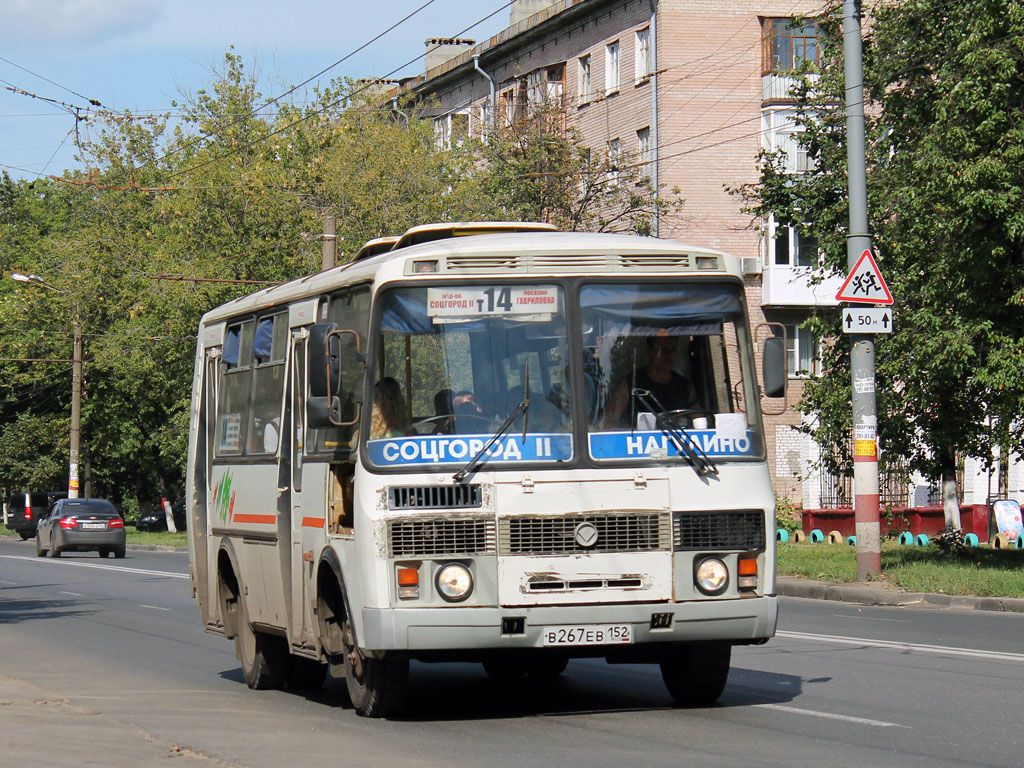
x,y
94,526
589,634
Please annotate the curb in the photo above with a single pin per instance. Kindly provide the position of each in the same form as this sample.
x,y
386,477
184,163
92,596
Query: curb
x,y
156,548
869,594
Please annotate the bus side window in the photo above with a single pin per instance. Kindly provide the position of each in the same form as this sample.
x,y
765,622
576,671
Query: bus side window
x,y
236,378
268,348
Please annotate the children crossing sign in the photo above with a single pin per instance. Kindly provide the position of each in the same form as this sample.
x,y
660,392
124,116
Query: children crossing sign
x,y
864,284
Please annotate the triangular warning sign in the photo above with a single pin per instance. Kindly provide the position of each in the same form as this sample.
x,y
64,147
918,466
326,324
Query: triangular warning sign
x,y
864,283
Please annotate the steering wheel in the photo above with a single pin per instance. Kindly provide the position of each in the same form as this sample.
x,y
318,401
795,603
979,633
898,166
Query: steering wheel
x,y
470,423
682,418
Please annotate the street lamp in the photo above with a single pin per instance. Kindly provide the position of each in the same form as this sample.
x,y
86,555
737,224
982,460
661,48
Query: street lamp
x,y
76,381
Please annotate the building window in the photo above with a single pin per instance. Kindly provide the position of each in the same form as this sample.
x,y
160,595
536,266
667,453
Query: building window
x,y
451,129
642,65
545,87
789,247
611,67
586,85
801,352
644,152
787,44
781,132
614,161
508,107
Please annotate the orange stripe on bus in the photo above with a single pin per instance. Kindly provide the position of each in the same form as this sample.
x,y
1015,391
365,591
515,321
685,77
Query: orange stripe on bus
x,y
262,519
312,522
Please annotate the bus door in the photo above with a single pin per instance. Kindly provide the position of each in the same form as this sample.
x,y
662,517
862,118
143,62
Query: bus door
x,y
308,518
202,490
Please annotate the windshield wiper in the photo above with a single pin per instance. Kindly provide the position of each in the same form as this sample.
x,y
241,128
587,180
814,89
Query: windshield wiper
x,y
684,443
522,408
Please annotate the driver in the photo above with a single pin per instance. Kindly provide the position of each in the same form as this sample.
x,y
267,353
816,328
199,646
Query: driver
x,y
673,390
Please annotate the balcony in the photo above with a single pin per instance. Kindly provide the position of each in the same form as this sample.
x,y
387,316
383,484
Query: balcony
x,y
784,285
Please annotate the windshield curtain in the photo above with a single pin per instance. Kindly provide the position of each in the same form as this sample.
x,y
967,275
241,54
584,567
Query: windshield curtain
x,y
668,355
451,365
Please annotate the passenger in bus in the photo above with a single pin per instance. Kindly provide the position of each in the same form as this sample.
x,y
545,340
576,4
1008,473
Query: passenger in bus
x,y
468,416
443,412
389,417
669,387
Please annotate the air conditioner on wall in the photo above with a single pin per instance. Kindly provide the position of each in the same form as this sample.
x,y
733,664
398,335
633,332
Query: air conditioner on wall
x,y
751,265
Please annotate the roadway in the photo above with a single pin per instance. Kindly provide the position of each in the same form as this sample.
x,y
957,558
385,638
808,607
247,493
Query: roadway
x,y
104,662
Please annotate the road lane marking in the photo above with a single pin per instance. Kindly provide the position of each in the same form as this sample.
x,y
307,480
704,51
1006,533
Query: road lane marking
x,y
831,716
155,607
870,618
913,647
76,594
143,571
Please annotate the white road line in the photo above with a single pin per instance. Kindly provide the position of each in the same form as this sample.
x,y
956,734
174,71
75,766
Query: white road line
x,y
912,647
143,571
870,618
830,716
11,583
155,607
76,594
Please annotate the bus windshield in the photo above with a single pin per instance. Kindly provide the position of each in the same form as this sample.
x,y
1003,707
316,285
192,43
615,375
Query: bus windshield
x,y
452,363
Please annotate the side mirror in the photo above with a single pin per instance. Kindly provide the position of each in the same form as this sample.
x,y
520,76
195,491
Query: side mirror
x,y
327,347
773,367
324,359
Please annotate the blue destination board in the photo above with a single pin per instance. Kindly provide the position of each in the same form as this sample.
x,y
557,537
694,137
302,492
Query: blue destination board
x,y
446,449
658,445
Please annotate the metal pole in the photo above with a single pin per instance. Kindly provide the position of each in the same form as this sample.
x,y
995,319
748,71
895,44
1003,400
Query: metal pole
x,y
329,248
862,352
76,409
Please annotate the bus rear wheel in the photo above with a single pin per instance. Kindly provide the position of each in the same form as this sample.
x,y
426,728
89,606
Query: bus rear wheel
x,y
264,657
695,675
377,687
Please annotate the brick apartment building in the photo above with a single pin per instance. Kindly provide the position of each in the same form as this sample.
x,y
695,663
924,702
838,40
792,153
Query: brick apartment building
x,y
693,89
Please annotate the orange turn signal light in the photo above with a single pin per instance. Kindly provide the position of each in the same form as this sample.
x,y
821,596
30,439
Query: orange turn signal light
x,y
748,566
408,577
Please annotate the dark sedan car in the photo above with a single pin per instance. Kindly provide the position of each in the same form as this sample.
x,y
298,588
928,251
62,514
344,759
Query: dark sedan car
x,y
81,525
157,519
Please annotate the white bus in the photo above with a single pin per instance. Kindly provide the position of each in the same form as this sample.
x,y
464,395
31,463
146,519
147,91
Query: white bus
x,y
490,443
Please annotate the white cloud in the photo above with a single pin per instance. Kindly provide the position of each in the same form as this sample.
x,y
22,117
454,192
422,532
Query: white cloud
x,y
75,21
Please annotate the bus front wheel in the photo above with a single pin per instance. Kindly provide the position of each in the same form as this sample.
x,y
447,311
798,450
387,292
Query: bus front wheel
x,y
695,675
264,657
377,687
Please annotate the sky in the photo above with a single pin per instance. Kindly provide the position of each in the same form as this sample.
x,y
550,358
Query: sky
x,y
141,55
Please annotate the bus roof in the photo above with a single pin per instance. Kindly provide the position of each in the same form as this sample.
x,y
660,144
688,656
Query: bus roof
x,y
537,254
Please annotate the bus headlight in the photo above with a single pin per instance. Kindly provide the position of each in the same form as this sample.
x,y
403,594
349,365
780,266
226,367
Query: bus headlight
x,y
712,576
454,582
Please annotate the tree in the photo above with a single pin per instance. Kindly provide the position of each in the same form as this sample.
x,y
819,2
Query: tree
x,y
944,89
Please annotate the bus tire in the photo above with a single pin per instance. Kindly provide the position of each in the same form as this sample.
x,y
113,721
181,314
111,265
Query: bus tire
x,y
695,675
264,657
306,674
377,687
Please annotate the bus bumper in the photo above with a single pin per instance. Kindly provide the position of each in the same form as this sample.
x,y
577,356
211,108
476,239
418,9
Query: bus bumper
x,y
745,620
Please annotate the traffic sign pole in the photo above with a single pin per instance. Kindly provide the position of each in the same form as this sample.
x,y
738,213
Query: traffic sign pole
x,y
862,352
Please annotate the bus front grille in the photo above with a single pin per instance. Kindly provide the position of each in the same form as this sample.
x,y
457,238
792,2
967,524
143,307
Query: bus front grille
x,y
582,534
739,529
440,536
434,497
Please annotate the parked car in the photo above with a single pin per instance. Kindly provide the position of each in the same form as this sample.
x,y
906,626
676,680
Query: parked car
x,y
25,509
81,525
157,519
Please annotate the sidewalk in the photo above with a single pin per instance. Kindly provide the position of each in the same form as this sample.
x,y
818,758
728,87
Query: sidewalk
x,y
883,594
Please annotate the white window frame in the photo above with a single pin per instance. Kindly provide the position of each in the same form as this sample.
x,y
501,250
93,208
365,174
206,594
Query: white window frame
x,y
644,151
586,80
446,128
803,357
612,57
784,238
642,64
781,131
614,161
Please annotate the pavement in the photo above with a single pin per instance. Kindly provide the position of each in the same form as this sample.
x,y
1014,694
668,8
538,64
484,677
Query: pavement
x,y
885,594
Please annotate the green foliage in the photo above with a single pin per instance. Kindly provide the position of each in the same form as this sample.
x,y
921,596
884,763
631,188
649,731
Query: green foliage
x,y
945,106
788,515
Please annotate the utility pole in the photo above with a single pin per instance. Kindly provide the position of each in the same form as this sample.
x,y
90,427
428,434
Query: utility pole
x,y
329,247
76,408
862,352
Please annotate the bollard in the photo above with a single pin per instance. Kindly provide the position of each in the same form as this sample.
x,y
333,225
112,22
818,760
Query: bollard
x,y
906,539
971,540
782,535
817,536
921,540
